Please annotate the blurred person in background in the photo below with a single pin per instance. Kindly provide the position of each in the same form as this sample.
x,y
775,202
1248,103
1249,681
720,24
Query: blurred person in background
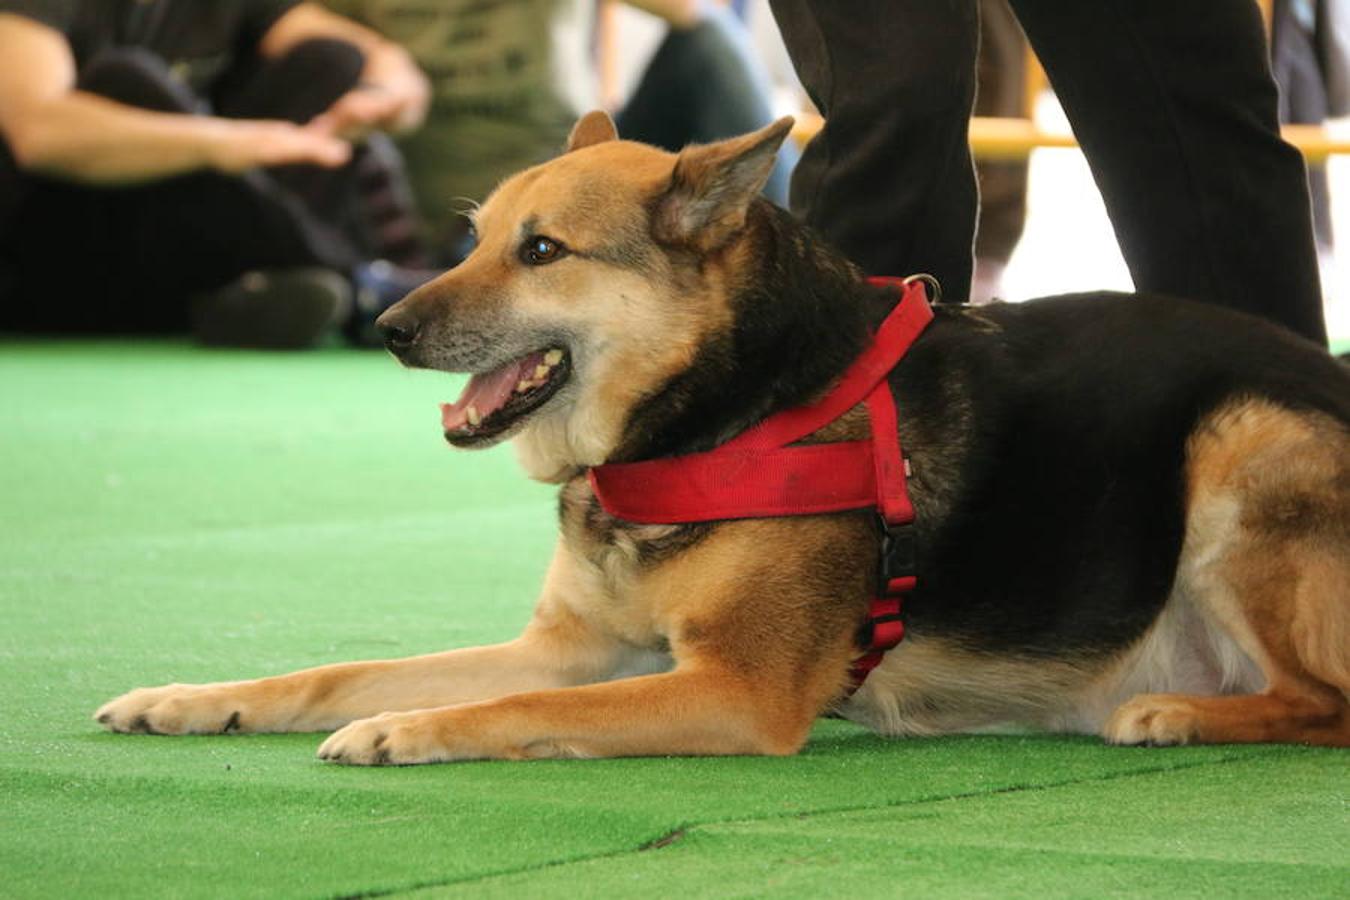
x,y
1310,57
509,80
157,149
1001,85
706,82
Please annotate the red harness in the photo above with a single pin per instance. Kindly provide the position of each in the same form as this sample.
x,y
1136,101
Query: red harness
x,y
759,474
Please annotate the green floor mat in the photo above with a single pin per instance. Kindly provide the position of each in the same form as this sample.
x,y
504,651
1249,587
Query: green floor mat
x,y
175,514
1129,833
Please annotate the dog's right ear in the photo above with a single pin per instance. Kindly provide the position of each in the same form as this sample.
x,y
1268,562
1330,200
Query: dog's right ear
x,y
713,184
595,127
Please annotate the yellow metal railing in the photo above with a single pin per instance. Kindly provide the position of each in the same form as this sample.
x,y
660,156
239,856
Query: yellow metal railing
x,y
1002,138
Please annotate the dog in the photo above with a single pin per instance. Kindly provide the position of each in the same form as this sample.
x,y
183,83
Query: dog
x,y
1132,512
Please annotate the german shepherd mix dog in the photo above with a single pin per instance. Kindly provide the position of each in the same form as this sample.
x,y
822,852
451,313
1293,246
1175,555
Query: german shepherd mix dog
x,y
1133,513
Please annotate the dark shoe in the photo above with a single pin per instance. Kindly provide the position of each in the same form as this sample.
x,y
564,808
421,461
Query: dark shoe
x,y
275,309
379,285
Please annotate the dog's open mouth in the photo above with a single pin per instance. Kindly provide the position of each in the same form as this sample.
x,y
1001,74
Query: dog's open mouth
x,y
493,401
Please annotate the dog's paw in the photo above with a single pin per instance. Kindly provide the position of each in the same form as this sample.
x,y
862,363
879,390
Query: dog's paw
x,y
1154,719
389,739
174,709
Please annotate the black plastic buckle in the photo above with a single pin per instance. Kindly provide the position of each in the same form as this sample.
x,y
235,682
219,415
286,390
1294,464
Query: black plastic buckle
x,y
899,554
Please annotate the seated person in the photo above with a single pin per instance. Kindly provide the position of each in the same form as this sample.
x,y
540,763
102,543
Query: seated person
x,y
154,150
706,82
510,79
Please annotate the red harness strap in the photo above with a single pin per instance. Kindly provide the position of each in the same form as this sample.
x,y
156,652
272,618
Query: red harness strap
x,y
759,474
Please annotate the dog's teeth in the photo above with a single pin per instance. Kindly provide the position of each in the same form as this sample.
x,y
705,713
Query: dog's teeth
x,y
553,357
472,414
541,371
523,386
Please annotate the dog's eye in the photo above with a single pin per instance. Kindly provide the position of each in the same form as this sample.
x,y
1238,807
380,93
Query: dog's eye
x,y
539,250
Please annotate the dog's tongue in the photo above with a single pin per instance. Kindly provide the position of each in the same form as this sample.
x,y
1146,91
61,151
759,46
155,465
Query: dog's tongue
x,y
488,392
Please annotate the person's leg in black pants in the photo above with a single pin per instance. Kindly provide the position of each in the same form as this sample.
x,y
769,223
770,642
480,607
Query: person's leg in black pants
x,y
889,179
368,202
14,188
1175,108
296,88
125,259
1173,103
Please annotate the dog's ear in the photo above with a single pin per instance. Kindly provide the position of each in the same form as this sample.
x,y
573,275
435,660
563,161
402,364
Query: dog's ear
x,y
595,127
713,184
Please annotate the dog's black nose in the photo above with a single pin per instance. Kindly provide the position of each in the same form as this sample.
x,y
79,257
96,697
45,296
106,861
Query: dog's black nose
x,y
398,329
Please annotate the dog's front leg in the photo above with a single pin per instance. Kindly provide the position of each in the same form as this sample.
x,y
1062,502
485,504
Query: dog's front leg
x,y
557,649
751,674
693,711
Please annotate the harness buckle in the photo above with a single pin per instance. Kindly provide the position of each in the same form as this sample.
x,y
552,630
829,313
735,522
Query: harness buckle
x,y
884,626
899,553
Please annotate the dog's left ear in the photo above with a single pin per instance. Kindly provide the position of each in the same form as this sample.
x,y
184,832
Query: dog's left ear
x,y
713,184
595,127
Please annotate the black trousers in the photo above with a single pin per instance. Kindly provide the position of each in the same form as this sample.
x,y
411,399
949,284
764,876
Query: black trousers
x,y
77,258
1172,102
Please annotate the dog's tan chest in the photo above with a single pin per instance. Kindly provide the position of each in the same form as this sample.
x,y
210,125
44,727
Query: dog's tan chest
x,y
612,561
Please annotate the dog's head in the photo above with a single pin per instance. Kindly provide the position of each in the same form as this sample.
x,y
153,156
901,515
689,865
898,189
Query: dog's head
x,y
596,279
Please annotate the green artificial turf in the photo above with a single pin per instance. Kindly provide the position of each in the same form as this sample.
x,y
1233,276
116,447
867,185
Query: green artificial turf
x,y
176,514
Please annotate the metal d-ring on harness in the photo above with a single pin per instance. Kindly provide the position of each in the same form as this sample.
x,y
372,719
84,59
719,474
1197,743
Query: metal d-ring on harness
x,y
930,282
764,473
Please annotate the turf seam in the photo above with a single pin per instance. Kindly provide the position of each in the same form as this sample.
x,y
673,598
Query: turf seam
x,y
676,834
486,876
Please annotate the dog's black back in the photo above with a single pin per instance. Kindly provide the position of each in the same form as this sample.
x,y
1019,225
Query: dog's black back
x,y
1073,415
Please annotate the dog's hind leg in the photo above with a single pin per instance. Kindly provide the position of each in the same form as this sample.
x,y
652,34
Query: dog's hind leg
x,y
557,649
1267,560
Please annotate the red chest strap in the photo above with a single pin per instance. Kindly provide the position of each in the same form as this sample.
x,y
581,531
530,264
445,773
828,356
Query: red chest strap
x,y
758,474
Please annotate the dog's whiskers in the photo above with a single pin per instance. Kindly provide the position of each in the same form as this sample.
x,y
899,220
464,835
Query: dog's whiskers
x,y
468,209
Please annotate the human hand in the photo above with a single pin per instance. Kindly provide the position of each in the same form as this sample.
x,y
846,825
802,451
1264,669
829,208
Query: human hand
x,y
393,96
679,14
358,112
242,144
